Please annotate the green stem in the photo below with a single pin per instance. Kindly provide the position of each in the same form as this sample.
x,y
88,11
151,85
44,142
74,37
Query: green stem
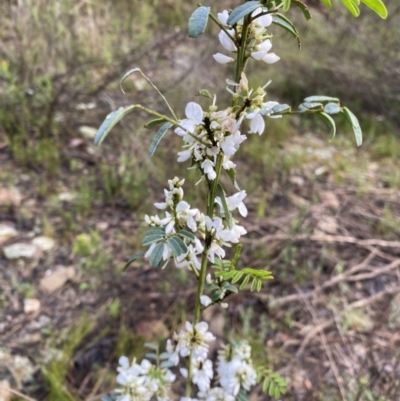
x,y
240,65
174,122
216,20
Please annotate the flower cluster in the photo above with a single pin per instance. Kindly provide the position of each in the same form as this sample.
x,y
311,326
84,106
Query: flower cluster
x,y
258,43
234,369
142,382
182,216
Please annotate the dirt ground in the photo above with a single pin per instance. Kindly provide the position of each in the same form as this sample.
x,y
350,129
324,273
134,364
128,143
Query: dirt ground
x,y
329,322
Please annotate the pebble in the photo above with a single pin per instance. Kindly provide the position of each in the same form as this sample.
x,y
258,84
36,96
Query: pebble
x,y
20,250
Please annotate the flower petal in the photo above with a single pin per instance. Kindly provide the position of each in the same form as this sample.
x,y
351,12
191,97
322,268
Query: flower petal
x,y
222,59
194,112
226,41
271,58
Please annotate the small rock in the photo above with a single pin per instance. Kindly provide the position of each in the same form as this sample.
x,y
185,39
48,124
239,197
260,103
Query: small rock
x,y
5,394
56,279
297,180
330,200
217,325
66,196
7,232
31,338
152,330
20,366
44,243
39,324
10,197
87,132
31,305
102,225
86,106
327,225
21,250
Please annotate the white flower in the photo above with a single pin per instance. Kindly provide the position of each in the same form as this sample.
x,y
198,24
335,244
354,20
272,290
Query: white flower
x,y
262,53
186,215
190,259
222,59
205,300
173,355
227,164
235,369
194,340
236,201
184,155
263,20
216,394
231,235
231,143
202,374
215,250
194,114
257,125
223,17
226,41
208,169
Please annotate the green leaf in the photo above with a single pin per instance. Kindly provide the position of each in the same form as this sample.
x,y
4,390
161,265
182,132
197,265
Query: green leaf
x,y
303,8
237,277
187,234
110,121
281,109
133,70
232,288
245,282
271,389
227,213
177,246
152,346
154,123
353,120
253,285
216,296
232,175
205,93
153,235
157,138
240,12
327,3
310,106
286,5
331,123
132,259
110,397
332,108
377,6
265,384
285,23
259,285
312,99
352,7
198,22
156,255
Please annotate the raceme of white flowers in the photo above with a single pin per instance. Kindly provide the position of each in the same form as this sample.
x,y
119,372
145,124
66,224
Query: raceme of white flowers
x,y
259,43
208,135
182,216
234,369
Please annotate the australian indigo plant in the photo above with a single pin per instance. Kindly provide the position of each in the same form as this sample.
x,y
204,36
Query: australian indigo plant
x,y
193,239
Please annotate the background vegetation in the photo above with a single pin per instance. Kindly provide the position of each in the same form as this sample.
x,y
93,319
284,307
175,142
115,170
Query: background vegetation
x,y
60,65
